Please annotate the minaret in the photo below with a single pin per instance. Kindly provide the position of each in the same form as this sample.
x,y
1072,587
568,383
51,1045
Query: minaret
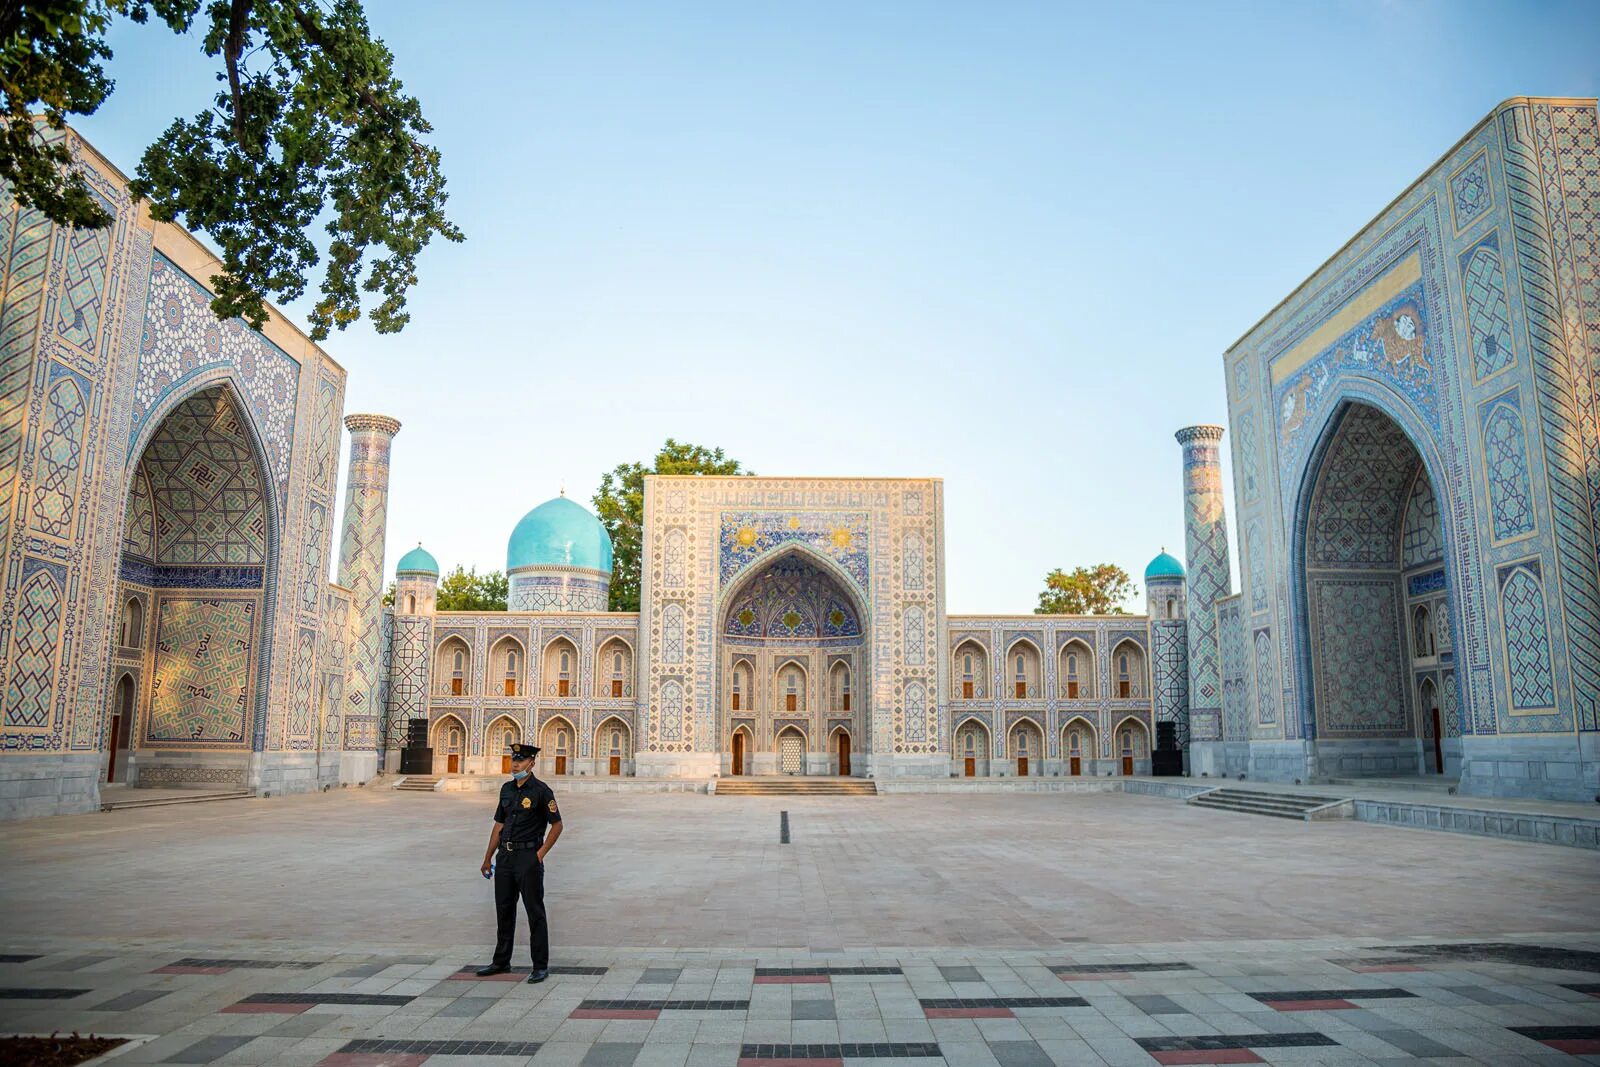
x,y
366,505
1209,576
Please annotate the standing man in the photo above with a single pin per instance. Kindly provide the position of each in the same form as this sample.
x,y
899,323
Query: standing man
x,y
527,808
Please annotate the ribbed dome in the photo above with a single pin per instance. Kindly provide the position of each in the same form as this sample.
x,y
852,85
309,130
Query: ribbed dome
x,y
559,533
418,561
1164,566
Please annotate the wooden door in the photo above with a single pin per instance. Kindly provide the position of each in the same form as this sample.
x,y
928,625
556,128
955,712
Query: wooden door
x,y
1438,743
1124,689
844,754
505,764
116,734
511,687
790,702
735,700
561,764
1076,766
966,690
455,687
616,687
847,702
1022,766
453,764
738,749
1072,690
1022,690
1127,766
616,766
972,767
563,688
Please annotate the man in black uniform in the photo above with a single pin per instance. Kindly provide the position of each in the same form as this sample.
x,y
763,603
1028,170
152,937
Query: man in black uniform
x,y
527,808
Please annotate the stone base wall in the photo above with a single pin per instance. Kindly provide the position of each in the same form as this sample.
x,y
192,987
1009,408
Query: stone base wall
x,y
1219,759
57,784
209,771
357,768
676,764
1552,768
1279,761
1369,758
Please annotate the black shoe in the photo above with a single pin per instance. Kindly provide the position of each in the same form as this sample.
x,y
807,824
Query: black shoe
x,y
538,976
492,969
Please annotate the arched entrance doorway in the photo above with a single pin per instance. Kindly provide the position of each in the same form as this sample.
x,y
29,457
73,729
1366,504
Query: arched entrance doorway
x,y
557,744
841,751
198,562
1373,602
613,747
498,739
791,749
122,712
1133,745
972,749
791,649
1027,747
449,744
740,746
1078,746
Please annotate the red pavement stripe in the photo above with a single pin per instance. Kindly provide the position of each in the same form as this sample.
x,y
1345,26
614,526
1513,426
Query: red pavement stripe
x,y
968,1013
178,969
373,1059
615,1013
794,979
1575,1046
760,1061
257,1008
1309,1005
1218,1055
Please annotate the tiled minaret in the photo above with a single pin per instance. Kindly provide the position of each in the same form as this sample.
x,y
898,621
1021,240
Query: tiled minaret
x,y
366,504
1209,576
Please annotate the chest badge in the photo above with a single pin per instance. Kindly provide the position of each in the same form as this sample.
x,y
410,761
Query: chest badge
x,y
526,802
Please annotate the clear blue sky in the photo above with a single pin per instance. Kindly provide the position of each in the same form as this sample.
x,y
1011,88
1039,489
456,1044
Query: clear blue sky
x,y
1001,244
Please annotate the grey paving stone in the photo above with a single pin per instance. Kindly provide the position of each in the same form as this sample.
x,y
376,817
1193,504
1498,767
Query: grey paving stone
x,y
210,1049
1019,1054
138,998
960,973
1154,1004
660,976
466,1007
611,1054
813,1009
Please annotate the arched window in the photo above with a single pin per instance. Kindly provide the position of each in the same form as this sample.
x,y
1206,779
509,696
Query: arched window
x,y
966,667
1127,743
1072,676
791,689
566,664
616,742
1075,744
411,603
561,741
1022,672
616,665
131,633
970,743
511,661
1124,682
738,686
459,661
1172,607
1422,626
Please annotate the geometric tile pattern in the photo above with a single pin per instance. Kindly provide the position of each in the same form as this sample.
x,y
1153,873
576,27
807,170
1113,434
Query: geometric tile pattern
x,y
1169,674
361,547
1470,193
1527,637
1235,665
1266,679
792,598
1422,539
56,461
182,337
1356,510
83,284
25,238
840,535
208,495
204,676
1355,630
1506,463
139,524
34,637
1483,284
1209,576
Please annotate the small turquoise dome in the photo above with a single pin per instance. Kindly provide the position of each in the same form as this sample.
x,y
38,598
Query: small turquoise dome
x,y
418,561
559,533
1163,566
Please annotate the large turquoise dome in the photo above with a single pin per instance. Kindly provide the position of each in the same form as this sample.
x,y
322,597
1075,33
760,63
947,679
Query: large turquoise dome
x,y
418,561
1163,566
559,533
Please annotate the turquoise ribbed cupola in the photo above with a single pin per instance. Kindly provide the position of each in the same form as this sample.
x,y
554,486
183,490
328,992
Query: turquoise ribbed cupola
x,y
559,533
1163,566
418,561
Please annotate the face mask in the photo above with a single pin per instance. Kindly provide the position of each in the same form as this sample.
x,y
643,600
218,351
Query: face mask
x,y
520,775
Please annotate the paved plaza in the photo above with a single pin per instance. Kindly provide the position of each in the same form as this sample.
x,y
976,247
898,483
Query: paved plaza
x,y
983,929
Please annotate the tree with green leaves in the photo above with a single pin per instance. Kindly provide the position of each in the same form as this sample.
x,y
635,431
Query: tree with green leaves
x,y
1098,590
467,590
310,125
620,505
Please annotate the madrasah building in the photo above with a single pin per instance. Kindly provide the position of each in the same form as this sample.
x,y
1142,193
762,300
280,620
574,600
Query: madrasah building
x,y
1413,433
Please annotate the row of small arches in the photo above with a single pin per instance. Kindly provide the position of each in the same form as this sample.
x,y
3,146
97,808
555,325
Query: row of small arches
x,y
507,668
790,688
1025,740
1076,677
557,737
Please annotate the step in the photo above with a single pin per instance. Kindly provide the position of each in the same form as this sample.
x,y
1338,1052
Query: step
x,y
1251,809
1258,802
161,802
1287,800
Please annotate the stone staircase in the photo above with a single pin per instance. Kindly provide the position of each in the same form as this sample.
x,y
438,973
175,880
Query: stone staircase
x,y
419,783
158,798
795,786
1279,805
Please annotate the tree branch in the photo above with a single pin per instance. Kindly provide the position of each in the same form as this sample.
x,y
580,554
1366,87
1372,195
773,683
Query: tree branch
x,y
238,23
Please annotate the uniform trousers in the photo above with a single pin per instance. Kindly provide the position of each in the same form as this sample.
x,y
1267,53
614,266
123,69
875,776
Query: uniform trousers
x,y
520,874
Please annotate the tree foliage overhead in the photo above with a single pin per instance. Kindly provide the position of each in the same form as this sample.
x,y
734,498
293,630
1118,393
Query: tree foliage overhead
x,y
309,124
467,590
619,503
1098,590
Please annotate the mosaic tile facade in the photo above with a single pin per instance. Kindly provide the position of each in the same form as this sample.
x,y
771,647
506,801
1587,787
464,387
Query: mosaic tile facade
x,y
201,688
1209,573
1425,405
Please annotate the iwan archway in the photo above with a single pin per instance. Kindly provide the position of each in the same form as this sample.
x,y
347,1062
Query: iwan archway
x,y
1373,597
196,590
791,667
